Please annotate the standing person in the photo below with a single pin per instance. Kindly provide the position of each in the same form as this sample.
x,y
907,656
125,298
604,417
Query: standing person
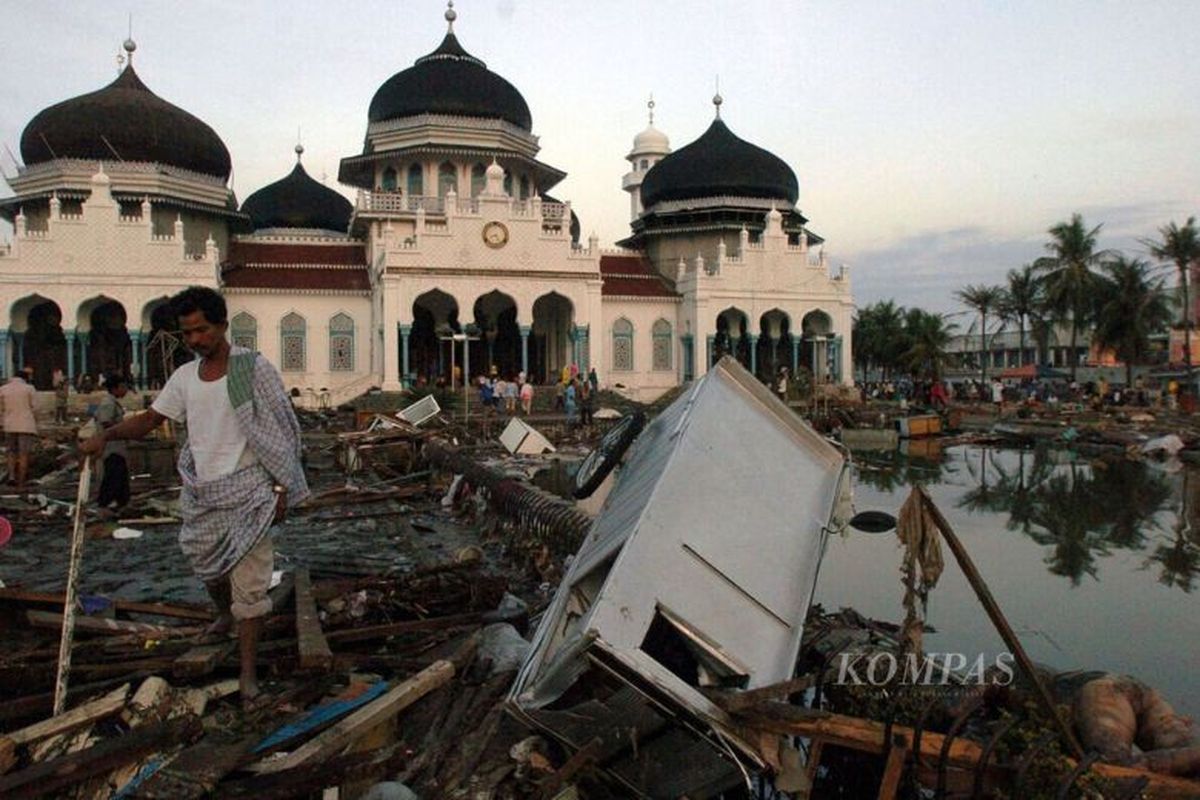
x,y
20,424
240,467
499,389
487,400
570,395
594,380
114,486
62,389
587,401
527,398
781,383
510,397
998,395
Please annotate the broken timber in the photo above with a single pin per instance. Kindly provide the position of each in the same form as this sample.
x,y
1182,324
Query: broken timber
x,y
314,650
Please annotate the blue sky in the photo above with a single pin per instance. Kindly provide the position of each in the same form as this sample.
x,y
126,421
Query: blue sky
x,y
934,142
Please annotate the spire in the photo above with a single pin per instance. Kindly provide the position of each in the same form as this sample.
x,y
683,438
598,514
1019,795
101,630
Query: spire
x,y
650,105
299,148
130,45
717,99
450,15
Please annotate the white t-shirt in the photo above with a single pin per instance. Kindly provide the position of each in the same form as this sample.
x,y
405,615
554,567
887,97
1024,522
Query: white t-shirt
x,y
213,432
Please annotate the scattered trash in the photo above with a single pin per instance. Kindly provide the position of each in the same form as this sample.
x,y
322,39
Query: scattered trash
x,y
127,533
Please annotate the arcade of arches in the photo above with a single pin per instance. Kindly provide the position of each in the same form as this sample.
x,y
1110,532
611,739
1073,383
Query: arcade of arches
x,y
494,335
100,342
815,348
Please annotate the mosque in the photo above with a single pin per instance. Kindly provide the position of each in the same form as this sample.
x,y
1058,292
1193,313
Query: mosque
x,y
454,251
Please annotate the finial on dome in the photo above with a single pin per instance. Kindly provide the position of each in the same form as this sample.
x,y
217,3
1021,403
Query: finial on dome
x,y
717,99
450,15
650,105
130,45
299,148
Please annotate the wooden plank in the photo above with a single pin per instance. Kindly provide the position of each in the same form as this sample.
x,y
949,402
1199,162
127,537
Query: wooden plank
x,y
893,768
112,627
81,715
302,781
180,611
396,628
202,659
49,777
334,739
310,640
67,625
197,770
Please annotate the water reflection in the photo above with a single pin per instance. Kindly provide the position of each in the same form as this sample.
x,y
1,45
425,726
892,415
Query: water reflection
x,y
1079,511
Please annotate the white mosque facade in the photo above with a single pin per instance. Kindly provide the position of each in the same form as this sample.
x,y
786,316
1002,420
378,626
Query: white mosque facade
x,y
454,249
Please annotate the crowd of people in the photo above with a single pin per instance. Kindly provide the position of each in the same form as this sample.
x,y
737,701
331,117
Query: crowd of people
x,y
574,395
1050,392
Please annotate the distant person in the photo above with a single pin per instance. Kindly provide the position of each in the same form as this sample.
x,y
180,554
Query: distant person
x,y
998,395
62,394
487,398
781,382
527,398
114,484
18,410
594,380
570,404
587,402
511,389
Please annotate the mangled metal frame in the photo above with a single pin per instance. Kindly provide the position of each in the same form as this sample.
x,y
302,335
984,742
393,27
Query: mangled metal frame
x,y
697,573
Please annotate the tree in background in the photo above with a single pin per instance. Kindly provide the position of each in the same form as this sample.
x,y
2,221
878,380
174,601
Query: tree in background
x,y
1181,247
1071,283
1021,303
983,300
1131,306
927,338
878,337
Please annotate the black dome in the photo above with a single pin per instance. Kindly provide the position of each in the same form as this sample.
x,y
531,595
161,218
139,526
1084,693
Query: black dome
x,y
138,124
450,81
298,201
719,164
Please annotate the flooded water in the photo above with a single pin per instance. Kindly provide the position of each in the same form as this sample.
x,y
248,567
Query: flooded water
x,y
1096,563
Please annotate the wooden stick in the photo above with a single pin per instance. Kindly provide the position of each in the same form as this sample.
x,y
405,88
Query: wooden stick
x,y
997,616
332,740
68,626
157,609
310,640
103,625
84,714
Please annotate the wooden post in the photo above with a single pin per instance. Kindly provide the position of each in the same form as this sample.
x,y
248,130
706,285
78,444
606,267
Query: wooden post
x,y
1006,632
68,626
310,640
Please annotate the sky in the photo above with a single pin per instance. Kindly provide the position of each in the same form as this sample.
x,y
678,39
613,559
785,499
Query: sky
x,y
934,142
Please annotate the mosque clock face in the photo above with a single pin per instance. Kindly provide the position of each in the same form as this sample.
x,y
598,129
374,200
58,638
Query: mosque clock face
x,y
495,235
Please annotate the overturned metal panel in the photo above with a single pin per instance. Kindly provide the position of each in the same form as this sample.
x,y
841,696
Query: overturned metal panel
x,y
696,574
424,409
520,437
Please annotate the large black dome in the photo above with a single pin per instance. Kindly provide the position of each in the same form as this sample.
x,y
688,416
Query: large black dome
x,y
125,121
298,201
719,164
450,81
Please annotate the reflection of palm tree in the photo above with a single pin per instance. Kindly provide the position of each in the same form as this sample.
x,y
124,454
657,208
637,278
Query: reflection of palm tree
x,y
1180,562
892,470
1063,519
983,498
1127,499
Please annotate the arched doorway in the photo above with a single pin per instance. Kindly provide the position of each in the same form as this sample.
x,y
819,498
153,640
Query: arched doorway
x,y
38,339
550,346
499,342
104,339
435,314
817,330
731,339
774,344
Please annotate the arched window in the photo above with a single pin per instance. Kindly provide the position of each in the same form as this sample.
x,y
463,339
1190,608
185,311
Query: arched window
x,y
341,343
389,180
447,179
478,179
524,188
291,334
662,344
243,330
622,334
508,183
416,180
645,165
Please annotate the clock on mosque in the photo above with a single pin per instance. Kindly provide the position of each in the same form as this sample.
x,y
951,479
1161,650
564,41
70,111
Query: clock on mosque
x,y
495,234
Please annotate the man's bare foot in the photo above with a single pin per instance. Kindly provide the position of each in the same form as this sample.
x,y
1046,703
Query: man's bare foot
x,y
252,696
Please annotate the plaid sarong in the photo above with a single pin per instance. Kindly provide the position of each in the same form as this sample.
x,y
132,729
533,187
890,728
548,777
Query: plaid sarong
x,y
224,518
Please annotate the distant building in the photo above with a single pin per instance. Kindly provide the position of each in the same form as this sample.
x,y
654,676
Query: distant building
x,y
123,199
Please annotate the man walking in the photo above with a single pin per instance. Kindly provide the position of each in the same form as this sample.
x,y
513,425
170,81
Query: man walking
x,y
20,424
240,467
114,486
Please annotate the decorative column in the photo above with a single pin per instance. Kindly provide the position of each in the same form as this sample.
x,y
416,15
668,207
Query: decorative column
x,y
83,351
144,344
70,334
835,359
795,353
3,352
584,348
711,341
525,331
135,349
816,356
753,354
20,362
575,345
689,369
405,374
391,358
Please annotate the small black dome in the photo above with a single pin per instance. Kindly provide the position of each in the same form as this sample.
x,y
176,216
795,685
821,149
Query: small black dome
x,y
298,201
125,121
719,164
450,81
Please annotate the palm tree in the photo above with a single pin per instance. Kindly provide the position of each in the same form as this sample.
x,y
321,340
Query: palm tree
x,y
1130,308
1070,282
878,336
928,339
983,300
1022,301
1180,246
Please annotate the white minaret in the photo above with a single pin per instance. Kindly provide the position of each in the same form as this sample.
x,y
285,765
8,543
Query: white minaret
x,y
648,147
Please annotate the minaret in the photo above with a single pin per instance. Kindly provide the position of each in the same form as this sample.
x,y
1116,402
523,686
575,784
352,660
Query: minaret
x,y
648,147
